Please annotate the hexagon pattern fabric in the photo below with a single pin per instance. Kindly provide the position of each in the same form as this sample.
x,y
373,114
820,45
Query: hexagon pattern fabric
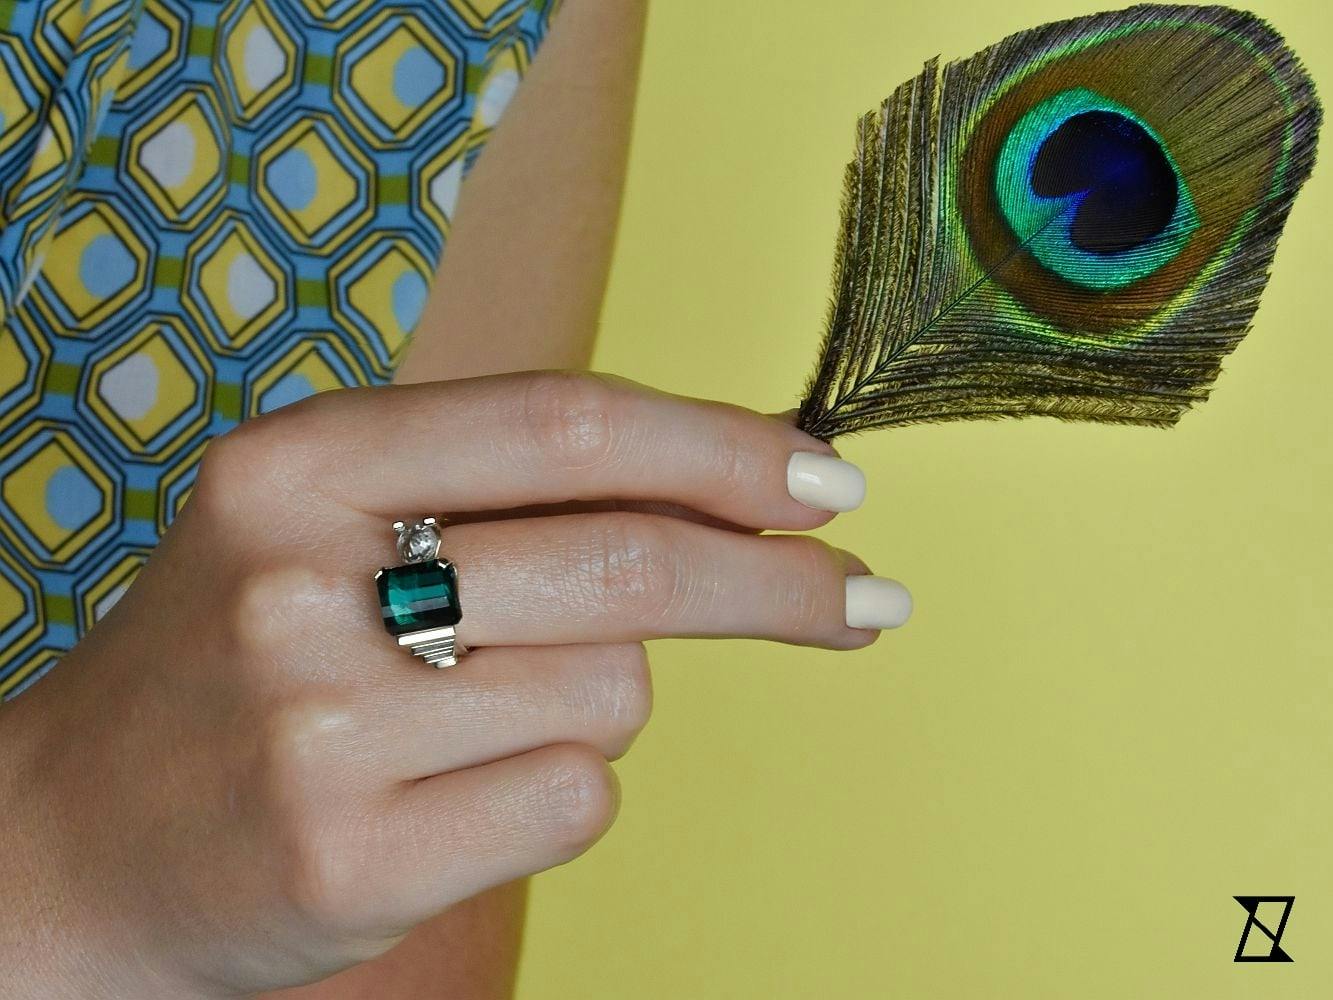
x,y
207,210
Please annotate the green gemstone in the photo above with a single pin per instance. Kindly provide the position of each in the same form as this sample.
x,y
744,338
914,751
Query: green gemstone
x,y
419,596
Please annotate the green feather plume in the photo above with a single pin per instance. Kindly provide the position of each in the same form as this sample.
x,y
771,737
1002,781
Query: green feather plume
x,y
1077,221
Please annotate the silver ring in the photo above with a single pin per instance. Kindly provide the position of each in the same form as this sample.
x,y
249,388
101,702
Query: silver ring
x,y
419,598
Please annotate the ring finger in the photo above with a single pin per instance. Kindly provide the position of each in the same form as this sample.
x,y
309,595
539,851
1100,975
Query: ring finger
x,y
626,577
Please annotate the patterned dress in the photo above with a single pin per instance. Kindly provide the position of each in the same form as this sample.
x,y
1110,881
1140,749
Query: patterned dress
x,y
207,210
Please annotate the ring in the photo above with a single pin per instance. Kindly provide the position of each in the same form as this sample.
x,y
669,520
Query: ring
x,y
419,599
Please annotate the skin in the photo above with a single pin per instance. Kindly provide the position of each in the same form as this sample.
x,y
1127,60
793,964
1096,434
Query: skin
x,y
237,783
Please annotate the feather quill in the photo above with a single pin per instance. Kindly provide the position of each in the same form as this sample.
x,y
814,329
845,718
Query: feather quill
x,y
1077,221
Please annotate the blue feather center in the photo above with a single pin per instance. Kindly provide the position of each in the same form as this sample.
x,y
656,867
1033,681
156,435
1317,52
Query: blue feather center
x,y
1091,191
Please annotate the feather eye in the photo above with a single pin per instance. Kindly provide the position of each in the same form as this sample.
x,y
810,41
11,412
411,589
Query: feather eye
x,y
1091,191
1077,221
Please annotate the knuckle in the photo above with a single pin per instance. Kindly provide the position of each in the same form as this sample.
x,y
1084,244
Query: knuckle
x,y
248,464
633,566
625,693
579,797
568,417
317,406
809,594
734,470
272,607
321,879
220,481
316,856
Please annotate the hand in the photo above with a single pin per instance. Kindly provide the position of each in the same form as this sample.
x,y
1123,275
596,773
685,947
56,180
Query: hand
x,y
239,782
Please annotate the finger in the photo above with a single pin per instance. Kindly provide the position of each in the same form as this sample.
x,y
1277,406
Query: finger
x,y
498,703
448,837
662,507
667,509
506,441
628,577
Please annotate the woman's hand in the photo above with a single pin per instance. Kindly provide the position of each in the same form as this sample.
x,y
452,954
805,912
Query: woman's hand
x,y
238,781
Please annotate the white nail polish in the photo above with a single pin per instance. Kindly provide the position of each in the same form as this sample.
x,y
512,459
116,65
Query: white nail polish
x,y
825,482
876,602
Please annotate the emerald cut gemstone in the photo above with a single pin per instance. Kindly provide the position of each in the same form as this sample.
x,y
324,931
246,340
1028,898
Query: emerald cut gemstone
x,y
419,596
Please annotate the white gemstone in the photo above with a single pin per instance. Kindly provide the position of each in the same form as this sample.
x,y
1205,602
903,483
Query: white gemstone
x,y
419,542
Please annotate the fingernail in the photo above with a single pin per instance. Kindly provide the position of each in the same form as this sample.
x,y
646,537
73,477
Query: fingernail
x,y
877,602
824,482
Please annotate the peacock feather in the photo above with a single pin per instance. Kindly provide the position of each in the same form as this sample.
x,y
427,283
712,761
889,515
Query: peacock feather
x,y
1077,221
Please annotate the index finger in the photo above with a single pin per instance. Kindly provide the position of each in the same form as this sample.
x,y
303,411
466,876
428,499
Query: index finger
x,y
551,437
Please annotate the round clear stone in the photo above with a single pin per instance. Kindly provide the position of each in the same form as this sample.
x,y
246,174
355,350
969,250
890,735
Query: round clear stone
x,y
419,542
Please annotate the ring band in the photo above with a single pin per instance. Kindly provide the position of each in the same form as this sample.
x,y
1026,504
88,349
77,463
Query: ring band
x,y
419,598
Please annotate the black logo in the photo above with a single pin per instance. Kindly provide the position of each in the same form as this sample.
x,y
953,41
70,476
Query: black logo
x,y
1275,953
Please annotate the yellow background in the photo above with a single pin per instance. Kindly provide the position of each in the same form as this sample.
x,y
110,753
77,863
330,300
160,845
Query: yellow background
x,y
1111,711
